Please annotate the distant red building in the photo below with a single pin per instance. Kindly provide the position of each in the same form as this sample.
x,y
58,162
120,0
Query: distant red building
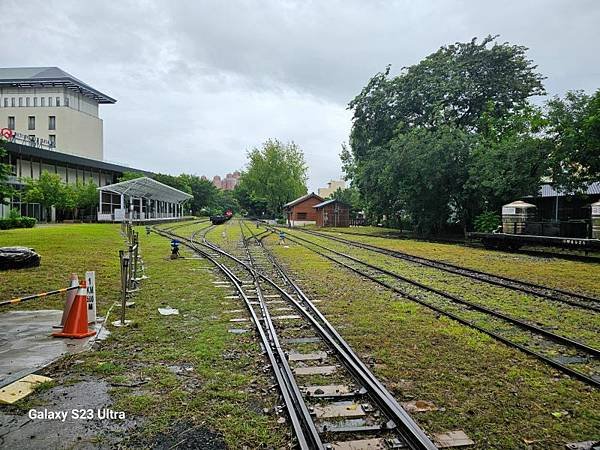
x,y
301,211
332,213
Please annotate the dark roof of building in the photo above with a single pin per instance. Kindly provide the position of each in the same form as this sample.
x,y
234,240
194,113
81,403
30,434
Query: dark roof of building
x,y
65,158
548,191
49,76
328,202
301,199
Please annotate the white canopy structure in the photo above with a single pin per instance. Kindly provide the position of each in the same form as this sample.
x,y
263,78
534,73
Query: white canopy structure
x,y
140,199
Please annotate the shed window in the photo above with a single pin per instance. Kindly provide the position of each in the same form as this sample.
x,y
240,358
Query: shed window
x,y
301,216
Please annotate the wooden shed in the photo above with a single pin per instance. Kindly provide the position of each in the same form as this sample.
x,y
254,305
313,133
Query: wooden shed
x,y
300,211
333,213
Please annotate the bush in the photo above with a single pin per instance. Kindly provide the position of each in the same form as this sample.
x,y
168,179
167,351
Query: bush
x,y
28,222
486,222
281,221
17,222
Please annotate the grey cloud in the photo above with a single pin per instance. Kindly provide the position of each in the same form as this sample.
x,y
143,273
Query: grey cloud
x,y
198,83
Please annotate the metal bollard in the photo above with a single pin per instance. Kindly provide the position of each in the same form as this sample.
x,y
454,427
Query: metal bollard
x,y
124,282
135,257
130,285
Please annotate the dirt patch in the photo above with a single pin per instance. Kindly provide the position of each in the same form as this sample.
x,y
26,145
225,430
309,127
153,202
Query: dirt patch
x,y
188,436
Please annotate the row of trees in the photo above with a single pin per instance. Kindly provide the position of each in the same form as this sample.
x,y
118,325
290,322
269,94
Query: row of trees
x,y
69,199
276,174
456,135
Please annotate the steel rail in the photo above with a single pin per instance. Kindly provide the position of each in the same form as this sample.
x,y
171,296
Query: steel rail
x,y
382,396
289,376
558,338
486,277
303,442
576,374
411,433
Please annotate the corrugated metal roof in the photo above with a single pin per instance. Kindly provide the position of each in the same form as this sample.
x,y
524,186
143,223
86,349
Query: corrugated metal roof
x,y
548,191
30,76
147,188
327,202
301,199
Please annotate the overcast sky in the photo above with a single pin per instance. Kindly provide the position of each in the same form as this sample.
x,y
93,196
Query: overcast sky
x,y
198,83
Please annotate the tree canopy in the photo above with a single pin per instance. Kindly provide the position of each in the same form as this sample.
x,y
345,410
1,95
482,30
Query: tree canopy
x,y
456,135
276,173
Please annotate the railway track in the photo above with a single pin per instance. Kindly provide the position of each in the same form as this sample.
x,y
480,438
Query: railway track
x,y
567,297
542,253
332,399
572,357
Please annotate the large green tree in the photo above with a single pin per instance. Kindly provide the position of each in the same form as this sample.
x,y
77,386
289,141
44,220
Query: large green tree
x,y
349,196
276,172
574,129
205,193
177,182
48,191
414,136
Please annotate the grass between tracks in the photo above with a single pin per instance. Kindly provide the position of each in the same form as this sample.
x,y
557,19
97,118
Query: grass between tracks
x,y
566,320
553,272
163,370
502,398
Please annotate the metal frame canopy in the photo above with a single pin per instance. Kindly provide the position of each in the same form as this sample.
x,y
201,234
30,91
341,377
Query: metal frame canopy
x,y
145,187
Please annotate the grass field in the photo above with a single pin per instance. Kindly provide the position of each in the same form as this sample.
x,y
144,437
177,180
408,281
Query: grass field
x,y
64,249
186,369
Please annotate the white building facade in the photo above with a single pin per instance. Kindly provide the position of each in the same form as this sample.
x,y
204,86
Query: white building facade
x,y
49,108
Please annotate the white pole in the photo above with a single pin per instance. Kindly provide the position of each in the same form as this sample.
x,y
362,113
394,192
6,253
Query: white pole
x,y
100,204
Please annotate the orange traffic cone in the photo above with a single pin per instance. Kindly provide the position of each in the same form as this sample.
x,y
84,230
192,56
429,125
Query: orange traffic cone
x,y
76,326
74,281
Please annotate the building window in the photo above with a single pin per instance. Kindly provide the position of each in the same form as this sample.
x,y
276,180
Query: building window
x,y
11,122
57,101
52,139
20,101
34,101
301,216
67,101
31,123
27,102
42,101
32,137
49,101
12,102
52,122
6,102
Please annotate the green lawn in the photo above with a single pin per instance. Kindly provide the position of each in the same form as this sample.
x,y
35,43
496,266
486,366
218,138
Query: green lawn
x,y
64,249
193,370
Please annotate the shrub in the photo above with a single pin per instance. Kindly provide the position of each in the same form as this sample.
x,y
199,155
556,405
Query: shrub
x,y
17,222
28,222
486,222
